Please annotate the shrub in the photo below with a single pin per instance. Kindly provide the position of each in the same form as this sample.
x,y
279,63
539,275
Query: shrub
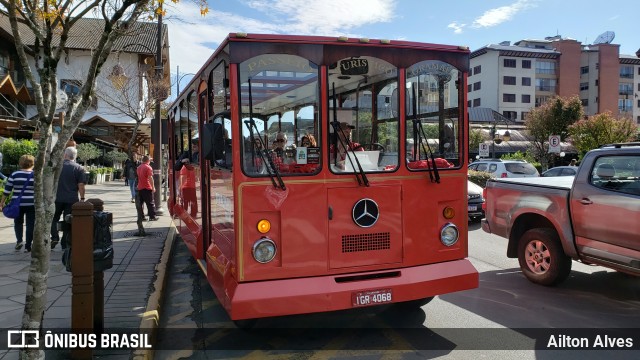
x,y
12,150
479,177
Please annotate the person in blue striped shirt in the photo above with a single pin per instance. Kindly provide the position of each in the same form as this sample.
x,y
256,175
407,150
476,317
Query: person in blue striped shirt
x,y
22,178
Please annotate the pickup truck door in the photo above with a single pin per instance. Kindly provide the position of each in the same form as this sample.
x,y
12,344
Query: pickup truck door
x,y
605,209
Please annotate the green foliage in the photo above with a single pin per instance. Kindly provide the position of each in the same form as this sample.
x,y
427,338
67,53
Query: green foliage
x,y
12,150
552,118
601,129
479,177
116,156
87,151
476,137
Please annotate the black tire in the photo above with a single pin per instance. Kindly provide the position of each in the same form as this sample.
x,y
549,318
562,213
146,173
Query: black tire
x,y
541,257
413,304
246,324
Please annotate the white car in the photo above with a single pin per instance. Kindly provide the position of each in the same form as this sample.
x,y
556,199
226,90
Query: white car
x,y
505,168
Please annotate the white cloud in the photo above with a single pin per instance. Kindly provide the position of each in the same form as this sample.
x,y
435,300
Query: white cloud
x,y
193,38
457,28
501,14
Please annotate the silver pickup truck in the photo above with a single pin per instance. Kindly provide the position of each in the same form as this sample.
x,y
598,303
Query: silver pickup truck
x,y
593,217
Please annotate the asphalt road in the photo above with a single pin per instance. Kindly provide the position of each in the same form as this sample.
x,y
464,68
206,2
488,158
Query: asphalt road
x,y
499,320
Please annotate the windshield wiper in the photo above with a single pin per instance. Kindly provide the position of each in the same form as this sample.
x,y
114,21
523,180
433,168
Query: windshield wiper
x,y
418,134
360,174
272,170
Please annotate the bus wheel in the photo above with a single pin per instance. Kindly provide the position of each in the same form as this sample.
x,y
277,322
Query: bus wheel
x,y
541,257
413,304
246,324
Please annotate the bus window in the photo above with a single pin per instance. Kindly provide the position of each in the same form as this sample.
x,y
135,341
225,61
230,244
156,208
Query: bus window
x,y
280,93
368,118
433,94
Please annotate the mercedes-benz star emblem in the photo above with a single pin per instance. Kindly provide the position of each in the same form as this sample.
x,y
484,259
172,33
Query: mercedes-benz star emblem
x,y
365,213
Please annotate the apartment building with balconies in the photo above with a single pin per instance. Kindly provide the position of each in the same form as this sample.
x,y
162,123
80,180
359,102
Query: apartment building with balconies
x,y
512,79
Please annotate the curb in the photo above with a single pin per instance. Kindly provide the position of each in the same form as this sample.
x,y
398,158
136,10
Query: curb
x,y
151,316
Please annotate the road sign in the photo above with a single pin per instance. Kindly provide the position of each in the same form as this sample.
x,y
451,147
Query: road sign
x,y
554,144
483,149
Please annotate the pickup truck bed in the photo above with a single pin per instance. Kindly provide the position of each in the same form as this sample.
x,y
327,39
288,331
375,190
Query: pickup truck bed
x,y
593,217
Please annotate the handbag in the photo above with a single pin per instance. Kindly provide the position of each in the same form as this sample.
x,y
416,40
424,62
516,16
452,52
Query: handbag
x,y
12,210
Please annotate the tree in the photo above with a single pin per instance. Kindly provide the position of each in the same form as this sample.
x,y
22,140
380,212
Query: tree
x,y
601,129
87,151
42,28
116,157
552,118
476,137
135,97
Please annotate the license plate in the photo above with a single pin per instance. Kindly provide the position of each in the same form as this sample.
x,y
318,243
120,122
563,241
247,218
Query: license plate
x,y
371,297
472,208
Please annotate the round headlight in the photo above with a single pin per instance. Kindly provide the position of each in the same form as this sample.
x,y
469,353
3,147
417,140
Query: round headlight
x,y
264,250
449,234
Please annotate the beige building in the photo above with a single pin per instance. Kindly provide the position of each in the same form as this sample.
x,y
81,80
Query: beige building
x,y
512,79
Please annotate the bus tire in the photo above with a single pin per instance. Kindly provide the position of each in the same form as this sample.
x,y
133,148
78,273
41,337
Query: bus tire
x,y
541,257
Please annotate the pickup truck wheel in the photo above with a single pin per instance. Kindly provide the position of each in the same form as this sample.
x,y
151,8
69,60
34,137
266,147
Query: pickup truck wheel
x,y
541,257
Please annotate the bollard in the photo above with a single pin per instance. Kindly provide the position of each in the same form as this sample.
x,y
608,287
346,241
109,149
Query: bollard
x,y
98,278
82,299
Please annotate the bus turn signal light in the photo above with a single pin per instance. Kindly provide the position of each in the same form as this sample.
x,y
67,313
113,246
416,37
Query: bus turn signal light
x,y
264,226
448,212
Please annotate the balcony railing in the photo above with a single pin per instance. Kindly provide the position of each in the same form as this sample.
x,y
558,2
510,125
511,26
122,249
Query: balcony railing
x,y
550,88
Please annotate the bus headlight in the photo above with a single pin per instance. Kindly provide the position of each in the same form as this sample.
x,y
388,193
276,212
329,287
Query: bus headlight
x,y
449,234
264,250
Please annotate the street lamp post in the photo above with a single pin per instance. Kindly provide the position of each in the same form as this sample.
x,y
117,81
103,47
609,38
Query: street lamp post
x,y
156,126
495,139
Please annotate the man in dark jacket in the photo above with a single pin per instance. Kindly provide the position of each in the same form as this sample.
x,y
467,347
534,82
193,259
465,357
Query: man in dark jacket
x,y
70,184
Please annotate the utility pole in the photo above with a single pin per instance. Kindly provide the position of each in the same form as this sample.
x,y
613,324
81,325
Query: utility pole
x,y
156,126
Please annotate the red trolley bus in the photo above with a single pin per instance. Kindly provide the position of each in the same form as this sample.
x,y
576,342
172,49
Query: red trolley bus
x,y
314,174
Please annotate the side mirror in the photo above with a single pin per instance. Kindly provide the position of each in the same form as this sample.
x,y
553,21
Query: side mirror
x,y
212,142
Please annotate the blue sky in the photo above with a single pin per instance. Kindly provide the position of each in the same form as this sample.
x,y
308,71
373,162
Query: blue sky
x,y
474,23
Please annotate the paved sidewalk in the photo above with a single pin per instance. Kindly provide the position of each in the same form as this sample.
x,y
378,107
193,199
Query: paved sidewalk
x,y
133,287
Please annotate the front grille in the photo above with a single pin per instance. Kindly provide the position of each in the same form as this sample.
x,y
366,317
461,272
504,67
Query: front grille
x,y
366,242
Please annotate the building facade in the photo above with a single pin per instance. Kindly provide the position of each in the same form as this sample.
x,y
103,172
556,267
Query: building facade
x,y
121,88
512,79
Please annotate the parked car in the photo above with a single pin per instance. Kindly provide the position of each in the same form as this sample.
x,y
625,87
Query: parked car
x,y
561,171
591,217
505,168
475,201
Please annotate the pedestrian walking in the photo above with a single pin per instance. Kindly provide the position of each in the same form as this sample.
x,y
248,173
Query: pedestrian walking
x,y
131,176
21,183
2,177
146,188
188,188
71,183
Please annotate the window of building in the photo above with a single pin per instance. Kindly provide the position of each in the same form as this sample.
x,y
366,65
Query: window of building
x,y
625,89
524,115
511,115
546,85
526,64
469,88
597,66
509,97
469,103
477,69
545,67
625,105
597,82
585,102
476,86
509,80
526,99
584,86
626,72
584,70
639,103
638,119
638,87
526,81
476,102
510,63
71,87
541,100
